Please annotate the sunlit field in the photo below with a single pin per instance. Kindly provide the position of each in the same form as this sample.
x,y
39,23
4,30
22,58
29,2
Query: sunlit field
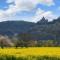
x,y
34,52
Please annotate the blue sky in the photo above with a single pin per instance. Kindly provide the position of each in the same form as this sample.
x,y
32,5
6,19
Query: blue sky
x,y
29,10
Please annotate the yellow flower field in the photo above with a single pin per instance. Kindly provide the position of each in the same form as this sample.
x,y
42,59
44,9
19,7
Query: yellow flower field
x,y
49,51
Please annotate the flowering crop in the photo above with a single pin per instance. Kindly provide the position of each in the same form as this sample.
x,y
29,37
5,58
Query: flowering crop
x,y
31,51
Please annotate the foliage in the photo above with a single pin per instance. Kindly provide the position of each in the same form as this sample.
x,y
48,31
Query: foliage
x,y
28,58
28,34
24,41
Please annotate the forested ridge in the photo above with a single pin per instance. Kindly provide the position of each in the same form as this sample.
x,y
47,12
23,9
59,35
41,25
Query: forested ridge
x,y
22,33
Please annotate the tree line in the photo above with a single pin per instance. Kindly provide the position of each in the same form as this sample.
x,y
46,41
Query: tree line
x,y
24,42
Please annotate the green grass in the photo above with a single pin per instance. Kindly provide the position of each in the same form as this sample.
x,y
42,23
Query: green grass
x,y
28,58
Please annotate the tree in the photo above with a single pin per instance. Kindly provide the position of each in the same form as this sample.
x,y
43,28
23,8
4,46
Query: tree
x,y
42,21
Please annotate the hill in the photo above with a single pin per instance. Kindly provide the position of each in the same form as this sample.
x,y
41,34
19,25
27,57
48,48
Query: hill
x,y
45,30
25,34
14,27
42,30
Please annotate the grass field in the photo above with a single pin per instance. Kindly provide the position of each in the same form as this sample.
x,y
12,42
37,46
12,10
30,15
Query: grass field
x,y
47,53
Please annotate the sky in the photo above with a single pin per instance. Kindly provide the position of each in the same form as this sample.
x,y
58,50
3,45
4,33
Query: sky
x,y
29,10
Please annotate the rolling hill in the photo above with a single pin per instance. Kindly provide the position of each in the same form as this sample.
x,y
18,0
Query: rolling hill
x,y
42,30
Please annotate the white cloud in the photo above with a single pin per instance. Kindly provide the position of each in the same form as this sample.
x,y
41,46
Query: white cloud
x,y
22,4
25,5
47,14
28,4
46,2
10,1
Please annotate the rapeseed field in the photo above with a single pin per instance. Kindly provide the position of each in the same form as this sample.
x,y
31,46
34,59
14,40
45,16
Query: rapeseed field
x,y
31,52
